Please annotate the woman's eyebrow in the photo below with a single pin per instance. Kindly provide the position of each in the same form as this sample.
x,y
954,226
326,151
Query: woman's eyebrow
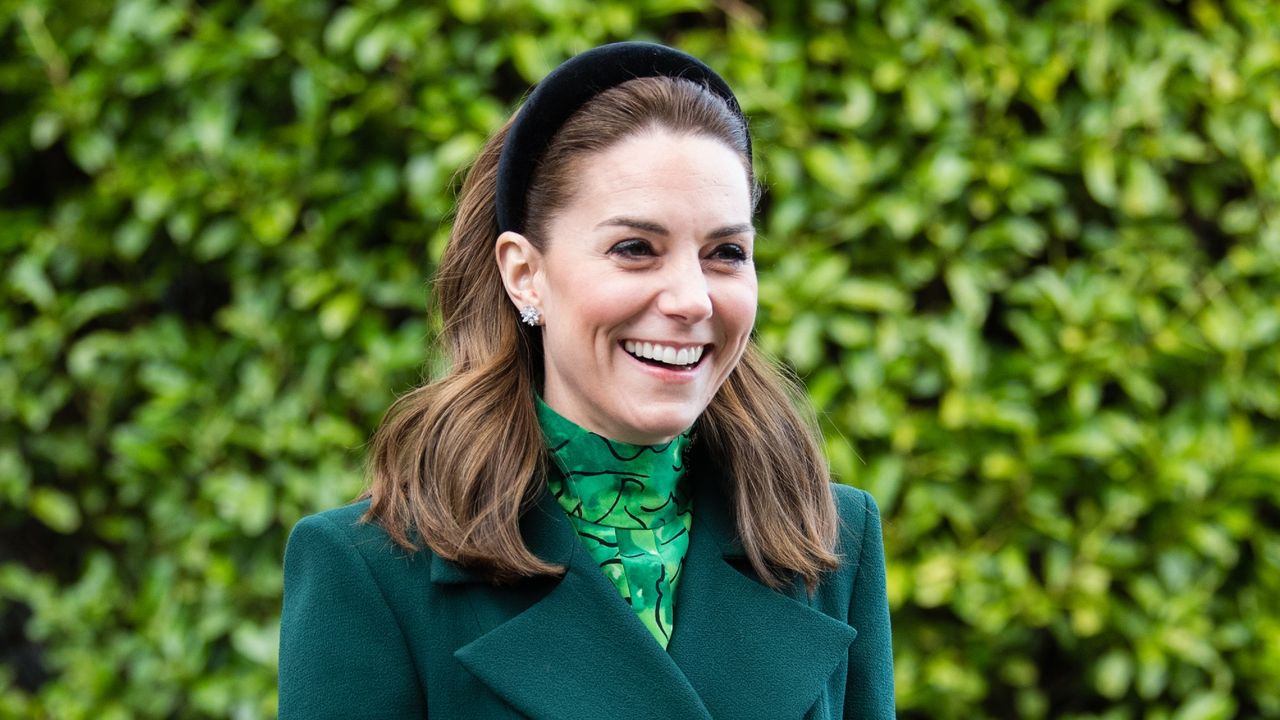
x,y
656,229
645,225
731,230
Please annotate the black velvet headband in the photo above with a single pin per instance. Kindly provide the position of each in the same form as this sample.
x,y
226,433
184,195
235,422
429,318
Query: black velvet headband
x,y
568,88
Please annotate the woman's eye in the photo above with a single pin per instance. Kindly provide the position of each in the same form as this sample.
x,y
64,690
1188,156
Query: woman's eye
x,y
731,252
632,249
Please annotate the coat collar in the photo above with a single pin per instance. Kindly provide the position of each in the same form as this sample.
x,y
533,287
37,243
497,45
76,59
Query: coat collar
x,y
738,650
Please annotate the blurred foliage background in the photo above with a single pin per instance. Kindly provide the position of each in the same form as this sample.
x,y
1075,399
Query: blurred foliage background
x,y
1025,255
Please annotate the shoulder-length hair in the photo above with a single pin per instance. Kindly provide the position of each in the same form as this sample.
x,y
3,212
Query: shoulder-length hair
x,y
456,461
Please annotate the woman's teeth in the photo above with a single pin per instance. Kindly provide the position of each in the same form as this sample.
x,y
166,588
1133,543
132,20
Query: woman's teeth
x,y
664,353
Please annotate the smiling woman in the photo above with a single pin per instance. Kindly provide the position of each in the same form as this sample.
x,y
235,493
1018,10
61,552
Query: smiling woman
x,y
608,506
656,257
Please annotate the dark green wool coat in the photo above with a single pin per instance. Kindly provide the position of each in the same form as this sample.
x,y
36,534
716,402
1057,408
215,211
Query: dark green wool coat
x,y
370,631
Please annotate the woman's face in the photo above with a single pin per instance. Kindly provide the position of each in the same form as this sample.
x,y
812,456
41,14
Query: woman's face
x,y
647,286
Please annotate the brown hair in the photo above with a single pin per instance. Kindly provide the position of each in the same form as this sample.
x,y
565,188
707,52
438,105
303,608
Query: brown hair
x,y
456,461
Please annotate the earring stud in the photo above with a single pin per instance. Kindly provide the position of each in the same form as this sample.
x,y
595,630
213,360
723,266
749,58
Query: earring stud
x,y
530,316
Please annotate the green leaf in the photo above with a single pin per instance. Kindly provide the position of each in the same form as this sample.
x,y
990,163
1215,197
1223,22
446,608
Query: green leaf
x,y
258,643
804,342
345,26
948,174
962,282
532,58
1145,192
1100,174
46,128
28,278
1113,674
468,11
1207,705
57,510
337,313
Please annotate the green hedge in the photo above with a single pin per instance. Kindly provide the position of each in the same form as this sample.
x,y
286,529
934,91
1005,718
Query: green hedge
x,y
1026,257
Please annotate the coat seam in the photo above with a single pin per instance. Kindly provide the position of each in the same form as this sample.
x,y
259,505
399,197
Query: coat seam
x,y
862,546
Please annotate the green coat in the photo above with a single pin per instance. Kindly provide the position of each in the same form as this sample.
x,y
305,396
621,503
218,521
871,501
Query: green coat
x,y
370,631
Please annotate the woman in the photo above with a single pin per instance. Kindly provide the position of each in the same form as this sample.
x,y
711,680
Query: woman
x,y
607,508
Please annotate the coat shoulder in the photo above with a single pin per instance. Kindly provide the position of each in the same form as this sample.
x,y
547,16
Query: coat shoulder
x,y
850,499
862,598
340,518
858,543
857,511
345,529
343,524
344,621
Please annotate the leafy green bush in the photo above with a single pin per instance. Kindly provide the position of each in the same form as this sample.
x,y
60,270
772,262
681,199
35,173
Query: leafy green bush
x,y
1025,256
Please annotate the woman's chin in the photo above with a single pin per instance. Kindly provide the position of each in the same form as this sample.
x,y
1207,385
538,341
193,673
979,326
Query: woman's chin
x,y
655,427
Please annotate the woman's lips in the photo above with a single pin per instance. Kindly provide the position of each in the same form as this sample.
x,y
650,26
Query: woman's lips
x,y
666,353
670,371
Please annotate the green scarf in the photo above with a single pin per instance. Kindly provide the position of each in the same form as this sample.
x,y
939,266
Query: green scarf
x,y
631,510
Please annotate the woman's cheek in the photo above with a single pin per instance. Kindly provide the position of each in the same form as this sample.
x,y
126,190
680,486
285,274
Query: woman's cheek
x,y
740,306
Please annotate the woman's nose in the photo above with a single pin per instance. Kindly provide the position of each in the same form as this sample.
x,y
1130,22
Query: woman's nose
x,y
685,295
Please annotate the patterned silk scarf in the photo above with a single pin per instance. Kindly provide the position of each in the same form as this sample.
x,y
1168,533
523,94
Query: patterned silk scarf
x,y
631,508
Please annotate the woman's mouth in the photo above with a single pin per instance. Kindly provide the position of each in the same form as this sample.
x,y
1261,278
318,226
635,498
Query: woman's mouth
x,y
664,355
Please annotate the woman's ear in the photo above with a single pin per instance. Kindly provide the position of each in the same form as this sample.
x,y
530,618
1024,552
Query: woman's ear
x,y
519,264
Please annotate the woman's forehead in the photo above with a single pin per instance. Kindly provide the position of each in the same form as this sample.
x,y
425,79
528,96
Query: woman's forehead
x,y
648,177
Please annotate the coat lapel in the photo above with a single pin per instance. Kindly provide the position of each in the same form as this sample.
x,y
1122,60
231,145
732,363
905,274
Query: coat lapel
x,y
579,652
738,650
748,651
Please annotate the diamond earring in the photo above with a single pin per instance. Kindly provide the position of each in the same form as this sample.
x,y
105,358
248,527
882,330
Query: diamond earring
x,y
530,316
